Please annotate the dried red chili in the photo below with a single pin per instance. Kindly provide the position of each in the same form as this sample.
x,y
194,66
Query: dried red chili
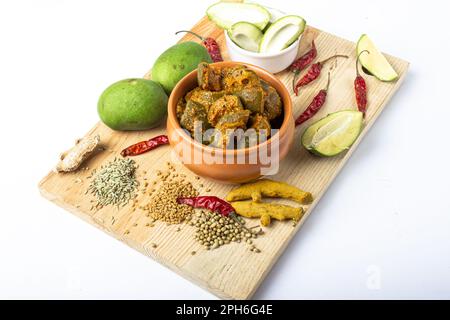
x,y
361,87
315,106
314,72
210,44
304,61
211,203
145,146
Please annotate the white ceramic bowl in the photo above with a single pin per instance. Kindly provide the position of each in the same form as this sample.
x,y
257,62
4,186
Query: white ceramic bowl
x,y
273,62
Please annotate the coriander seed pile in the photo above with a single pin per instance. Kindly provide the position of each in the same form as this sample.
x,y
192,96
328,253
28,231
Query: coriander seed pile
x,y
214,230
115,183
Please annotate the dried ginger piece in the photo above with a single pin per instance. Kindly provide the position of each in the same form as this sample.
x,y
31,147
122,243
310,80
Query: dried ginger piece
x,y
72,159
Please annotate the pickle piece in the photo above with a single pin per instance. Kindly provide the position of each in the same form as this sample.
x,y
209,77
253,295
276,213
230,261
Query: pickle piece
x,y
238,78
224,105
193,115
234,120
272,103
252,99
203,97
208,77
261,123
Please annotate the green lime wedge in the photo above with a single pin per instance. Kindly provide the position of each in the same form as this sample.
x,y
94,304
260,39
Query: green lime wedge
x,y
333,134
246,35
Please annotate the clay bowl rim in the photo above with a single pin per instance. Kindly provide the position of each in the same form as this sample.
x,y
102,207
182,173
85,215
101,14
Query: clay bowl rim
x,y
284,94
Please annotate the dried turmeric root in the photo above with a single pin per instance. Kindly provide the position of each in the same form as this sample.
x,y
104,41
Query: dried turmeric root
x,y
267,211
270,189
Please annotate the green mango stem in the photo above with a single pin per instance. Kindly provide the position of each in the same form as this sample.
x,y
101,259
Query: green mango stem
x,y
190,32
357,62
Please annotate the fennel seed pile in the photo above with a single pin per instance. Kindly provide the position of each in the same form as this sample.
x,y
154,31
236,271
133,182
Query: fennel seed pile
x,y
115,183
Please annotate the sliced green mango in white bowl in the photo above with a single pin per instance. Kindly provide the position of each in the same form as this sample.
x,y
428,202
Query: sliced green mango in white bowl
x,y
275,14
282,33
225,14
272,62
246,35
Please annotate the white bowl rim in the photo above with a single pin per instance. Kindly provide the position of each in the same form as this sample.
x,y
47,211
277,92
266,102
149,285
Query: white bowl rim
x,y
261,55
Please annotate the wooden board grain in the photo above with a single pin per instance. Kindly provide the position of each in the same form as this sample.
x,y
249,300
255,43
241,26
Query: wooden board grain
x,y
232,271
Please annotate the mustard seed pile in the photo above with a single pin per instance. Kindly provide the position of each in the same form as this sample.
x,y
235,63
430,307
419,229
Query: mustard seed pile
x,y
163,205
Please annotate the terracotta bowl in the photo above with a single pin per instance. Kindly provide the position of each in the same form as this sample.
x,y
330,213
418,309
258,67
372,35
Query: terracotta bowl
x,y
227,166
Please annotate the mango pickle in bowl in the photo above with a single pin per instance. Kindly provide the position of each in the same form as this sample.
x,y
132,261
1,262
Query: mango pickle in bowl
x,y
230,122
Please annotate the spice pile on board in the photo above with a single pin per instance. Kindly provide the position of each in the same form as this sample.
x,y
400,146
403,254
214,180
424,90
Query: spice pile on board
x,y
115,183
214,230
175,200
163,204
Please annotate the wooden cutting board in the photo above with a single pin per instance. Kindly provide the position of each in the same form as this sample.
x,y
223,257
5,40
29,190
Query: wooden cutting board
x,y
232,271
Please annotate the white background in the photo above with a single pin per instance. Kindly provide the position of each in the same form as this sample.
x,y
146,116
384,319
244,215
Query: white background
x,y
386,217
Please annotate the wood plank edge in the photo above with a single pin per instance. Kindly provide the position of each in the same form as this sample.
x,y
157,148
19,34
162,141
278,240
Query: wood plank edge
x,y
85,217
334,176
191,277
160,260
216,291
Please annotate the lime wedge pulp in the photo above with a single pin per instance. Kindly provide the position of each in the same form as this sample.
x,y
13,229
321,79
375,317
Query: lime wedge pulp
x,y
333,134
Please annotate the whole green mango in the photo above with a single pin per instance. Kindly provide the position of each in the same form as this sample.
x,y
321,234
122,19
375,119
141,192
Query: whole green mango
x,y
133,104
176,62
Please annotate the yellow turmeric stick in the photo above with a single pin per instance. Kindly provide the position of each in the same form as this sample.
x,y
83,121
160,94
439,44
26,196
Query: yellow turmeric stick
x,y
267,211
269,189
